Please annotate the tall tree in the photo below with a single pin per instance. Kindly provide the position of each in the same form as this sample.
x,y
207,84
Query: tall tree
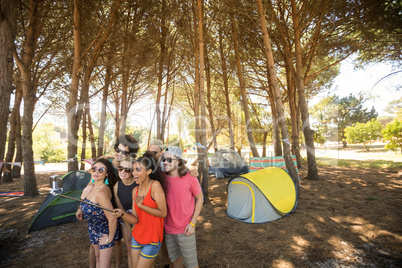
x,y
276,90
8,13
308,133
242,85
203,152
76,105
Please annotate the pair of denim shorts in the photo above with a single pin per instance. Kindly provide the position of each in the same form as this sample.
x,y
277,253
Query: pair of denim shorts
x,y
148,251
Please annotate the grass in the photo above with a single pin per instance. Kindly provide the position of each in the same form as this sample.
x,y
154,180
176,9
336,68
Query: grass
x,y
375,164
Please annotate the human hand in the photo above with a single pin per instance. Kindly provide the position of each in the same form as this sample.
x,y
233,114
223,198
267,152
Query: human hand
x,y
193,171
118,213
138,200
189,230
79,214
104,240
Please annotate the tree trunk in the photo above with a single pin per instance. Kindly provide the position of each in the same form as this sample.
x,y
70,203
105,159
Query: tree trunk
x,y
12,136
72,117
123,108
197,81
30,187
101,138
293,116
160,73
226,89
209,101
84,140
243,88
277,94
16,172
203,157
312,172
25,66
8,16
91,133
275,129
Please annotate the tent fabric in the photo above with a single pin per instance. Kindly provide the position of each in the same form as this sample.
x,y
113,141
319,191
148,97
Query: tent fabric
x,y
262,196
57,210
228,162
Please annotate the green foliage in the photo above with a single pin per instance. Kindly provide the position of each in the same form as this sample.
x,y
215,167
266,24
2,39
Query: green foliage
x,y
339,114
47,144
392,133
364,133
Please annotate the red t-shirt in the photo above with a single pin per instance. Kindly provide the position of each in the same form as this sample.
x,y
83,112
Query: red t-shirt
x,y
180,199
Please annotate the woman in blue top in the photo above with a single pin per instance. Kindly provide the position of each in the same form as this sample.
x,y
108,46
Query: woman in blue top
x,y
102,226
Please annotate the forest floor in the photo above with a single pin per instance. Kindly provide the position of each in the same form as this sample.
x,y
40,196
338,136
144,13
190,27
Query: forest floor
x,y
351,217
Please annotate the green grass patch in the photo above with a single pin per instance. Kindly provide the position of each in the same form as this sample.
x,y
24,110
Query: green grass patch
x,y
375,164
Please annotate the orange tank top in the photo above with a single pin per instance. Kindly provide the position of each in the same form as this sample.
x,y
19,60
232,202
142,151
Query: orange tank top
x,y
149,228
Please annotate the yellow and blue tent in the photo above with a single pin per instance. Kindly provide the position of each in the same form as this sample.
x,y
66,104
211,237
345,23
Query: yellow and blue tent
x,y
261,196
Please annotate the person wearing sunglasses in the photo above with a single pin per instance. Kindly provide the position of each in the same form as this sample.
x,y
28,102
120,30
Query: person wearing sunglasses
x,y
123,190
148,211
125,146
102,225
185,201
156,148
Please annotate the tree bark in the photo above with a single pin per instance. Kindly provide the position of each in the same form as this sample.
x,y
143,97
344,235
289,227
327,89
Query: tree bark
x,y
12,136
101,138
242,87
8,18
72,117
226,89
91,132
160,73
312,172
277,94
203,152
84,140
209,101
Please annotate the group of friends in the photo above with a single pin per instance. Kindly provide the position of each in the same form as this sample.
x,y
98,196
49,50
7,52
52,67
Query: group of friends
x,y
151,202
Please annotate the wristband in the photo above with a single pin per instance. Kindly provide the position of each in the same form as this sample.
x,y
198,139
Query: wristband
x,y
192,224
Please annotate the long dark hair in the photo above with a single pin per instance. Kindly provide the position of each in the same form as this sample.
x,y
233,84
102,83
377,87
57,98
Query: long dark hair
x,y
149,161
111,173
111,176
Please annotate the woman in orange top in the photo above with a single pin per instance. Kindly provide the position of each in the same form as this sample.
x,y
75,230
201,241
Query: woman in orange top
x,y
149,211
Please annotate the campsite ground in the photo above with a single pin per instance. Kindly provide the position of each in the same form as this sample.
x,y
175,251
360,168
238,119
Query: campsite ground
x,y
351,217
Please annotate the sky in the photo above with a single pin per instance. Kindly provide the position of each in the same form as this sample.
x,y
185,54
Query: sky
x,y
364,80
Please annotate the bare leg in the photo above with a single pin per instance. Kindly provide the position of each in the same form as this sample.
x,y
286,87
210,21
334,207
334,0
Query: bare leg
x,y
145,263
118,253
135,256
105,257
165,255
92,258
178,263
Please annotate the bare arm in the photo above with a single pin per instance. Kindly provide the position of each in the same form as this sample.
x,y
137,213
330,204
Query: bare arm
x,y
199,201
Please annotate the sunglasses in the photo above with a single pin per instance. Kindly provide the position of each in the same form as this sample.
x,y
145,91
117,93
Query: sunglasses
x,y
122,151
168,159
127,170
100,170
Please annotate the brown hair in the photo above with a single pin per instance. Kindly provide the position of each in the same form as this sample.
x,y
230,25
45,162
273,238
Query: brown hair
x,y
181,167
